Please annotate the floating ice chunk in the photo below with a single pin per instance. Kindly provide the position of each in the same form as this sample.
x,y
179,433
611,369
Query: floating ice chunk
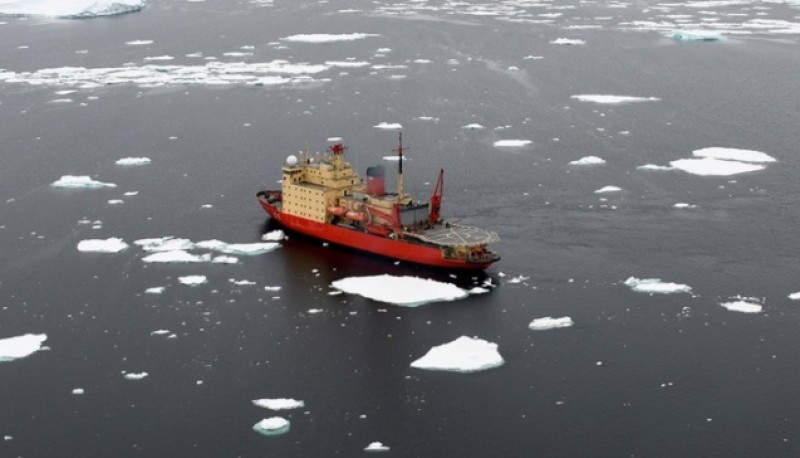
x,y
512,143
327,38
395,158
518,279
225,260
405,291
612,99
164,244
110,245
272,426
78,391
242,282
193,280
12,348
743,304
389,126
245,249
158,58
567,41
696,35
477,290
347,63
314,311
139,42
606,189
795,296
155,290
654,167
656,286
133,161
160,332
279,403
714,167
177,256
376,447
733,154
589,160
473,126
683,205
135,375
70,8
80,181
542,324
465,354
116,202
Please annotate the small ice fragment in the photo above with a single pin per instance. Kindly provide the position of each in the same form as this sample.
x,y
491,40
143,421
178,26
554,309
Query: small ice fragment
x,y
155,290
135,375
133,161
178,256
225,260
78,391
512,143
376,447
567,41
606,189
12,348
465,355
272,426
80,182
795,296
272,288
743,304
164,244
247,249
279,403
589,160
242,282
612,99
193,280
683,205
110,245
405,291
545,323
473,126
139,42
696,35
313,311
273,236
327,38
654,167
655,286
477,290
389,126
160,332
116,202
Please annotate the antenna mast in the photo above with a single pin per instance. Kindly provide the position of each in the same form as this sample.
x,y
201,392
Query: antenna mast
x,y
400,169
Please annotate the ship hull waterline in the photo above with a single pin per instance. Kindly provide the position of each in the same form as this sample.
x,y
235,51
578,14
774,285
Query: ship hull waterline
x,y
375,244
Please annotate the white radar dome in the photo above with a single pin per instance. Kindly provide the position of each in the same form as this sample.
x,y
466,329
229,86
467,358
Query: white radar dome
x,y
291,160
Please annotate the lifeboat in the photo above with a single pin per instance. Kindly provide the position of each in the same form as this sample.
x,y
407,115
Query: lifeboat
x,y
337,211
355,216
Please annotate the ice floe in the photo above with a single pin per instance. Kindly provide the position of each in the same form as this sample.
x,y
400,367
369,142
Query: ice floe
x,y
193,280
465,355
406,291
683,205
588,160
714,167
78,391
246,249
743,304
654,167
567,41
155,290
389,126
473,126
795,296
607,189
655,286
80,182
12,348
327,38
279,403
733,154
376,447
110,245
176,250
135,375
133,161
512,143
69,8
612,99
545,323
176,256
696,35
272,426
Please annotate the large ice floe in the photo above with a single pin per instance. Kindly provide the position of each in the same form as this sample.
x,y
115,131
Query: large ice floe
x,y
612,99
12,348
80,182
545,323
719,161
176,250
743,304
272,426
110,245
656,286
77,9
465,355
406,291
279,403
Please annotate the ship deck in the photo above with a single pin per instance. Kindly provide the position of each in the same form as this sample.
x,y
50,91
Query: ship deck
x,y
454,235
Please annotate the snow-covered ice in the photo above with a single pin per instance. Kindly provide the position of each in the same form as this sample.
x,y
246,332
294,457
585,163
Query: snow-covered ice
x,y
465,354
406,290
78,391
110,245
654,167
568,41
388,126
655,286
272,426
279,403
733,154
176,256
606,189
714,167
376,447
327,37
133,161
155,290
246,249
743,304
193,280
135,375
12,348
512,143
69,8
80,182
612,99
795,296
164,244
696,35
545,323
588,160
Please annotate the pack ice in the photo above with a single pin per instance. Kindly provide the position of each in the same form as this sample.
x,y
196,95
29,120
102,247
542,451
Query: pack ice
x,y
70,8
465,355
12,348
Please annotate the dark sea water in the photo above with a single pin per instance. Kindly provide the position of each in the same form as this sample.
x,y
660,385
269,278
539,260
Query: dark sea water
x,y
637,375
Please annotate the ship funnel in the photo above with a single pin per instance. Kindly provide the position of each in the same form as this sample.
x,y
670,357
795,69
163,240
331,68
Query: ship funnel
x,y
375,180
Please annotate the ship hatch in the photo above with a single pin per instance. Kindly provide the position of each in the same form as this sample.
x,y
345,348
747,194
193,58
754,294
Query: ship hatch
x,y
455,235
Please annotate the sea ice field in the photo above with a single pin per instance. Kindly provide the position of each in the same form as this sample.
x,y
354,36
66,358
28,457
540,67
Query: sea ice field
x,y
638,160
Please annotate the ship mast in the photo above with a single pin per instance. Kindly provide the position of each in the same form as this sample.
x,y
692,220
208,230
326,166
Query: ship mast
x,y
400,169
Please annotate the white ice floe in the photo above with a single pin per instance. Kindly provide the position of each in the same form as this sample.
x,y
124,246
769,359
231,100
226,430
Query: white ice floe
x,y
376,447
347,63
139,42
69,8
176,256
733,154
654,167
612,99
545,323
465,354
714,167
133,161
588,160
327,37
135,375
279,403
389,126
80,182
406,291
512,143
78,391
795,296
272,426
110,245
683,205
743,304
607,189
697,35
655,286
12,348
567,41
477,290
225,260
193,280
245,249
164,244
473,126
160,332
116,202
155,290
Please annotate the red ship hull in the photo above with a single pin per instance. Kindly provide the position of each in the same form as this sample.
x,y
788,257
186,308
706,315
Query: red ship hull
x,y
376,244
